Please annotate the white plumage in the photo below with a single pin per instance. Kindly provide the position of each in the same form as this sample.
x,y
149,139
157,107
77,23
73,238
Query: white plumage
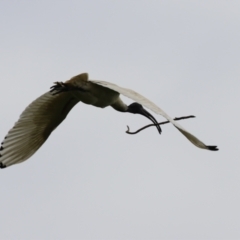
x,y
44,114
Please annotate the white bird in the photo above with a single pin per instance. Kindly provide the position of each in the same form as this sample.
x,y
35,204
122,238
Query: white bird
x,y
44,114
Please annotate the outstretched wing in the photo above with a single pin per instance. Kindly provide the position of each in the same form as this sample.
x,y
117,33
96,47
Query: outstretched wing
x,y
150,105
34,126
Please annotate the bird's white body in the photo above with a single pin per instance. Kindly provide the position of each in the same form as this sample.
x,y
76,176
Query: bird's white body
x,y
44,114
91,93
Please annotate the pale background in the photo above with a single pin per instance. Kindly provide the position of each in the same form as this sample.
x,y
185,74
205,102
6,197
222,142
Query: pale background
x,y
91,180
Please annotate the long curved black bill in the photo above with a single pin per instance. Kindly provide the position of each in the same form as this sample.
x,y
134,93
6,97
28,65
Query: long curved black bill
x,y
149,116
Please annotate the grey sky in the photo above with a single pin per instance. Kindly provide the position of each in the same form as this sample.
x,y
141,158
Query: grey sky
x,y
90,180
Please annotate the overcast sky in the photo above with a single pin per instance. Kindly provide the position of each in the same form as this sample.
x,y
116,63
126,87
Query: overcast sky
x,y
91,180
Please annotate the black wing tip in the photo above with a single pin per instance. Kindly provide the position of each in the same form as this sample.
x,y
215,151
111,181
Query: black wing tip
x,y
2,165
212,148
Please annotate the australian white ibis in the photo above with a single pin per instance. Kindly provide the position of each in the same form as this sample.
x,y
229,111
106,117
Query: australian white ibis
x,y
44,114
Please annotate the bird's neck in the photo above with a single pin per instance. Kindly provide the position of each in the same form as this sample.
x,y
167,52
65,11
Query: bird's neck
x,y
119,105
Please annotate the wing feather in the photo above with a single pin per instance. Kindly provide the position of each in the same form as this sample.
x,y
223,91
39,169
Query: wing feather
x,y
152,106
34,126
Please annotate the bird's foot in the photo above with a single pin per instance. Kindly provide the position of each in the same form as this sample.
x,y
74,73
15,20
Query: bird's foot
x,y
58,88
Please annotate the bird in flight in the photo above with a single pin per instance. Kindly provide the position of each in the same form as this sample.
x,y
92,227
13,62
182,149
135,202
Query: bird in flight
x,y
43,115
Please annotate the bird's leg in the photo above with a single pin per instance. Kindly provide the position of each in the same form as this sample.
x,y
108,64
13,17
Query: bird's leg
x,y
59,87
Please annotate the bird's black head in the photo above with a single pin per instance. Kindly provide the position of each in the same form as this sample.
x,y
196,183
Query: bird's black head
x,y
138,108
134,108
